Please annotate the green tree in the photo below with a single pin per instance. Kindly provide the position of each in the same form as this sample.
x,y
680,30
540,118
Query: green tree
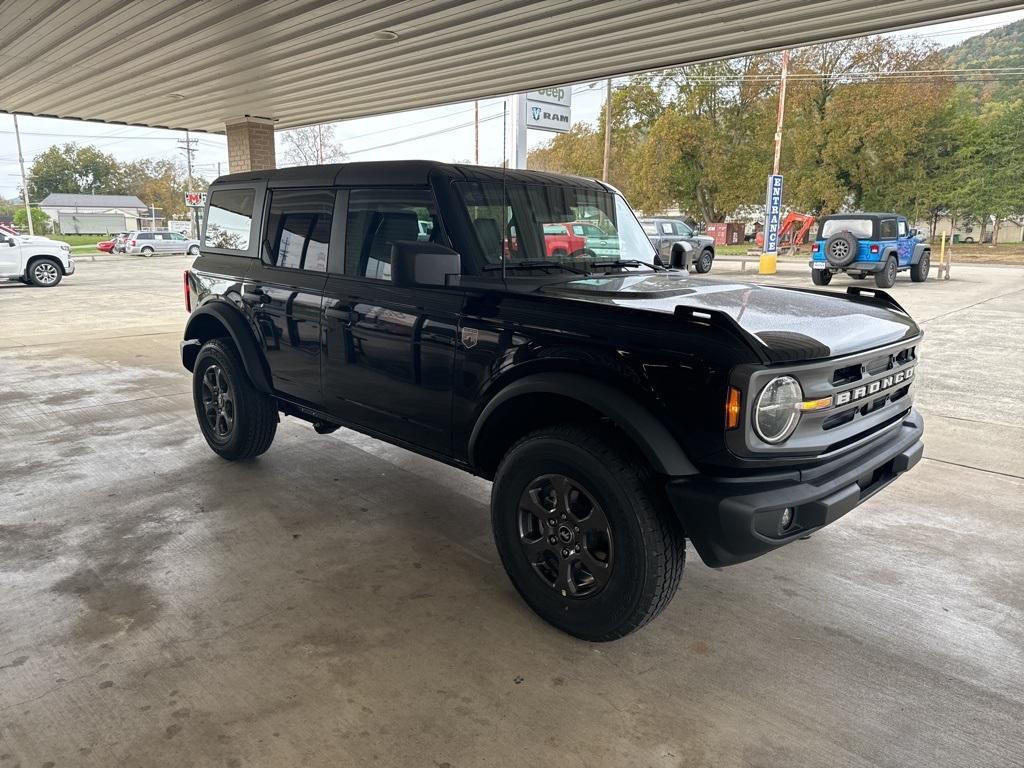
x,y
72,169
40,221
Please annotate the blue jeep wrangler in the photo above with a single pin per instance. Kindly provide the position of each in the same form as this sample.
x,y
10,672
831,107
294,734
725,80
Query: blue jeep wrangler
x,y
860,244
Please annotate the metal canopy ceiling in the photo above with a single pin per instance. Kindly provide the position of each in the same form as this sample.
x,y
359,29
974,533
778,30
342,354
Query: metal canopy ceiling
x,y
186,64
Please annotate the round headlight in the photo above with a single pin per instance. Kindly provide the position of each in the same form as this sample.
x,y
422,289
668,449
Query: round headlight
x,y
777,410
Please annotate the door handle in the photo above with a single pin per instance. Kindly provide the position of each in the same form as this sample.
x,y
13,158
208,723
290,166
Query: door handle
x,y
338,314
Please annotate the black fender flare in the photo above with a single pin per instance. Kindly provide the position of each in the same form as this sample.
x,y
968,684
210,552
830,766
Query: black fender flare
x,y
658,445
919,251
687,250
241,334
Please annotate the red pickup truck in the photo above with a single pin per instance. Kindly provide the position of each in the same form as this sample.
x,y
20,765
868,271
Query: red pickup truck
x,y
559,241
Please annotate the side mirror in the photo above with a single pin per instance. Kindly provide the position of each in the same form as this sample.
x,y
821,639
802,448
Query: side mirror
x,y
10,241
415,263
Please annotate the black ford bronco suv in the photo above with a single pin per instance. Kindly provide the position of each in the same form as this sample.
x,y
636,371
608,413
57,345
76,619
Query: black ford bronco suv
x,y
618,406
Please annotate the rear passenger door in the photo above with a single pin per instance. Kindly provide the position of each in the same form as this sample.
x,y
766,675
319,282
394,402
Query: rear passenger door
x,y
283,288
389,350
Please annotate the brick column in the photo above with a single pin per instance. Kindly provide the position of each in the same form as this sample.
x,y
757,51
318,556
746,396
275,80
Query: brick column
x,y
250,144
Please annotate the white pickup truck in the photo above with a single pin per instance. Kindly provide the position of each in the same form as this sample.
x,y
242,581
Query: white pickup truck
x,y
34,260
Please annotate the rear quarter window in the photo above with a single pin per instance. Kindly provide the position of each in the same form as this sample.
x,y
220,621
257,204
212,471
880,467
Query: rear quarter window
x,y
229,220
859,228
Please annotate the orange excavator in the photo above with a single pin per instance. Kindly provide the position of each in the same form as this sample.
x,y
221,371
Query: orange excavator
x,y
792,232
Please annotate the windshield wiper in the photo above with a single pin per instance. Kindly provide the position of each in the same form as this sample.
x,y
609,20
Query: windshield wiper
x,y
611,263
536,264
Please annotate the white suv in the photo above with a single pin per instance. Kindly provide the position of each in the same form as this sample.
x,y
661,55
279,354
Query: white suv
x,y
34,260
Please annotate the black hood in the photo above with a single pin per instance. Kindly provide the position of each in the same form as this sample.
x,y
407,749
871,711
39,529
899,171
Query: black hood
x,y
790,324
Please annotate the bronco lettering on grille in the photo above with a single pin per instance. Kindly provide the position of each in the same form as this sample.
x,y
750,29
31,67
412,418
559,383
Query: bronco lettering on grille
x,y
874,387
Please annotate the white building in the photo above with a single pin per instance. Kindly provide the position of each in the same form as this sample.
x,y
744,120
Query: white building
x,y
96,214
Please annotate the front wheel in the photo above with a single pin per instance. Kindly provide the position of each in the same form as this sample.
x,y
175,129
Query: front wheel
x,y
237,420
821,276
919,271
45,273
886,278
585,532
704,262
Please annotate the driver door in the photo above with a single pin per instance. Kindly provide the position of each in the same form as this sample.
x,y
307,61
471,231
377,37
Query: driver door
x,y
905,243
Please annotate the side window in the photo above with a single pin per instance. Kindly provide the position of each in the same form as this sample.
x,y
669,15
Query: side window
x,y
887,229
145,236
555,229
377,218
682,229
666,228
299,228
902,227
229,221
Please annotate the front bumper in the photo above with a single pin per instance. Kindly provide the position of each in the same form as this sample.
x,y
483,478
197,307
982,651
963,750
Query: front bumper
x,y
70,268
730,520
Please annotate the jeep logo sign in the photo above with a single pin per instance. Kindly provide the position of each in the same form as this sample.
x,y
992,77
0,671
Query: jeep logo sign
x,y
549,109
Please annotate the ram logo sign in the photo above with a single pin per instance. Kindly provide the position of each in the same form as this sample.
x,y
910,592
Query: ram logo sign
x,y
549,109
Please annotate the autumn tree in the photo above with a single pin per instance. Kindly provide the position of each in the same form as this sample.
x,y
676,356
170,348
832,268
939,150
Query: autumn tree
x,y
312,145
73,169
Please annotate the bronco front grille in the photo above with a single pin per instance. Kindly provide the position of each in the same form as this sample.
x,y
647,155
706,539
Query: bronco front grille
x,y
870,391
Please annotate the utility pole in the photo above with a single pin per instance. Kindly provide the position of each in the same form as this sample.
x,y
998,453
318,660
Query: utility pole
x,y
187,146
24,182
607,130
152,216
476,132
782,112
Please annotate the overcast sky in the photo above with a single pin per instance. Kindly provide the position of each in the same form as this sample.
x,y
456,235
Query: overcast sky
x,y
439,133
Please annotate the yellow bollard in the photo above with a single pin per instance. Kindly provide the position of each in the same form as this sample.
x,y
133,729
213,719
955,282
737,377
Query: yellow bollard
x,y
768,263
943,268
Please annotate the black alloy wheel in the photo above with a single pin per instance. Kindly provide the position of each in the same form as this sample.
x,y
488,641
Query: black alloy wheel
x,y
218,402
565,536
704,262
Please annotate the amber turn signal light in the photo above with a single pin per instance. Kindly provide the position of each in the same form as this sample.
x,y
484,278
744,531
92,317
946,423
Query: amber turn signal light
x,y
732,408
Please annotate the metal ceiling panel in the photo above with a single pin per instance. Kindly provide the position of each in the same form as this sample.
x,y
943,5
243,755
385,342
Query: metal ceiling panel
x,y
186,64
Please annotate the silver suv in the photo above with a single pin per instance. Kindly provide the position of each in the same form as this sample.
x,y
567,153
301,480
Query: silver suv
x,y
159,241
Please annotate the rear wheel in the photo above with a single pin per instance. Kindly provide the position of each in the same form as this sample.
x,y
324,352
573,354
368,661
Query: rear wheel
x,y
237,420
886,278
704,261
45,273
147,251
821,276
584,532
193,250
919,271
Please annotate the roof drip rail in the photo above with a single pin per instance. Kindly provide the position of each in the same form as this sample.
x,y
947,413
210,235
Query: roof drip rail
x,y
720,319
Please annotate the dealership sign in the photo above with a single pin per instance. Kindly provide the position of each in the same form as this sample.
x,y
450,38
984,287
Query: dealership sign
x,y
549,109
772,213
195,199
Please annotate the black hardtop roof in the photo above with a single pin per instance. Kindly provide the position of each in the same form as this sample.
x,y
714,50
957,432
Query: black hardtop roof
x,y
403,172
863,215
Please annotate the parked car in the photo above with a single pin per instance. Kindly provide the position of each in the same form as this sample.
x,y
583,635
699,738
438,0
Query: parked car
x,y
667,236
862,244
597,241
35,260
146,243
619,407
111,244
562,243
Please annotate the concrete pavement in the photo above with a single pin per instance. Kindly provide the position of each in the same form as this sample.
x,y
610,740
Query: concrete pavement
x,y
339,601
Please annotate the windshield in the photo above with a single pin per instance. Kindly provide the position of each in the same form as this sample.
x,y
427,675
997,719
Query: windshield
x,y
859,228
556,224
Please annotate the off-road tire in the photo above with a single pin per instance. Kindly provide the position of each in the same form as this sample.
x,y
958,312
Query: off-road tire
x,y
704,261
45,273
647,544
886,276
841,249
254,421
919,271
821,276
